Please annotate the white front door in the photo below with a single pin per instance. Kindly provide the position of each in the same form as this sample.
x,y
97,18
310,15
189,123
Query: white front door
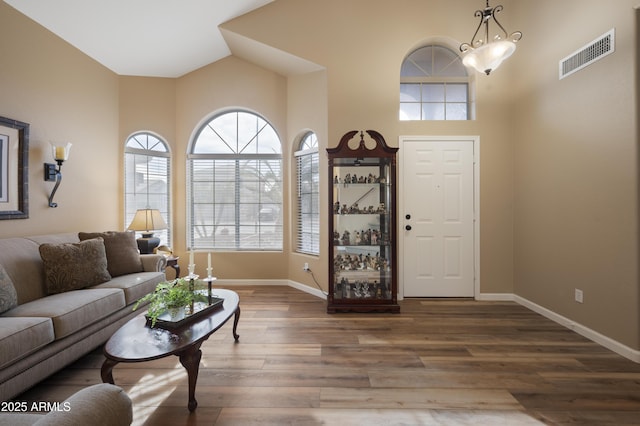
x,y
436,217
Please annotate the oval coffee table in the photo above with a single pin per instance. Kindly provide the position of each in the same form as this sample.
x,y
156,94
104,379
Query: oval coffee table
x,y
135,341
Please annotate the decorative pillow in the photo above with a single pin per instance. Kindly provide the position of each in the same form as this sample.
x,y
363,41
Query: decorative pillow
x,y
72,266
8,295
122,251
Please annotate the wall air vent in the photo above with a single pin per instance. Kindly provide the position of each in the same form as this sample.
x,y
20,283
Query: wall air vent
x,y
597,49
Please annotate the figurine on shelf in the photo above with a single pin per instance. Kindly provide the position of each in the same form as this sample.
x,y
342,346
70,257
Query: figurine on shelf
x,y
358,239
354,178
336,238
347,179
346,238
344,209
336,179
374,237
336,207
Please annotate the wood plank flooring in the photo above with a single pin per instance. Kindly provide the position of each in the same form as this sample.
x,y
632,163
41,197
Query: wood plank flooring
x,y
438,362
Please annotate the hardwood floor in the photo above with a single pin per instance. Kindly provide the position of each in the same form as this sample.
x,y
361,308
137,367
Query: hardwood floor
x,y
438,362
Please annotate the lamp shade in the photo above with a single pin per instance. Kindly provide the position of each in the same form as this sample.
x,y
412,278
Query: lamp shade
x,y
488,57
147,220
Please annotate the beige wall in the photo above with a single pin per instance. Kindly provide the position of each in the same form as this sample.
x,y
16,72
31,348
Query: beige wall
x,y
362,43
65,97
228,83
147,104
576,219
307,110
558,181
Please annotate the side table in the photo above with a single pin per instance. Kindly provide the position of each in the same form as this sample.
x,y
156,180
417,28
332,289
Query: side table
x,y
172,262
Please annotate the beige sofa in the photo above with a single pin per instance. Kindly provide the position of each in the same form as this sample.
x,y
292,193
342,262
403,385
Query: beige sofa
x,y
61,298
97,405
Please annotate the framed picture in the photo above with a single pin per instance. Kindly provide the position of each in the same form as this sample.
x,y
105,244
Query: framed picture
x,y
14,169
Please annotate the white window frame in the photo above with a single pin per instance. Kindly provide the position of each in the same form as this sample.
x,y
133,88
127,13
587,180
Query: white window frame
x,y
436,76
152,147
223,178
308,195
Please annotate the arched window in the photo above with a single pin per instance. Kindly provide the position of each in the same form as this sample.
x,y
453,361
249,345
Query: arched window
x,y
235,184
434,85
147,178
308,193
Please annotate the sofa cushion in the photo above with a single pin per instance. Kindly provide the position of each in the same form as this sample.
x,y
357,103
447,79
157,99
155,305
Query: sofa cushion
x,y
122,251
21,336
135,286
73,310
72,266
8,295
22,262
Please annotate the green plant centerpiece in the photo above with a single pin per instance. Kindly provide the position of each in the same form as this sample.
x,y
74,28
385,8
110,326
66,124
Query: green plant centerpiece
x,y
171,295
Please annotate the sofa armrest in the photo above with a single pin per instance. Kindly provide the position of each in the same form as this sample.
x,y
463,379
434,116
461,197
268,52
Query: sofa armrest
x,y
153,262
98,405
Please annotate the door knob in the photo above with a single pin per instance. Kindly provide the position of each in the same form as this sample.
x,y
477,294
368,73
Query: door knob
x,y
408,227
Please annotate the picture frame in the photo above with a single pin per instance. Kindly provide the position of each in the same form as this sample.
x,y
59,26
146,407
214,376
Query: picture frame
x,y
14,169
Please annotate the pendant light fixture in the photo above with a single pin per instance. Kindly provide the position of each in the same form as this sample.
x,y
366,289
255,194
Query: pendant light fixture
x,y
486,55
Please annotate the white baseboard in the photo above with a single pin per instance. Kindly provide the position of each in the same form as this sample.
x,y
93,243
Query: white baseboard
x,y
607,342
232,283
496,297
288,283
311,290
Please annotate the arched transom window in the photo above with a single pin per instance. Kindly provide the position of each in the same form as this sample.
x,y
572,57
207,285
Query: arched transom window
x,y
434,85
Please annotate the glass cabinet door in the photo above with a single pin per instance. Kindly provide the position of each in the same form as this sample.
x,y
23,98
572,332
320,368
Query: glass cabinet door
x,y
362,225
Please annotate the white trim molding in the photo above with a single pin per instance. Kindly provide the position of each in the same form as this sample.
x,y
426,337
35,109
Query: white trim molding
x,y
601,339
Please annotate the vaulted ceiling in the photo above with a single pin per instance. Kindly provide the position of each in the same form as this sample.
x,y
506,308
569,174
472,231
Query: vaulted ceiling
x,y
143,37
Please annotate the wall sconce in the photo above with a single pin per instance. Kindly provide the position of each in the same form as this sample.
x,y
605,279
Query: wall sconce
x,y
51,173
486,55
146,221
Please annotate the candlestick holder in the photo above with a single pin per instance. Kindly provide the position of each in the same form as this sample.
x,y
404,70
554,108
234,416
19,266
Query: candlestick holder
x,y
191,268
209,280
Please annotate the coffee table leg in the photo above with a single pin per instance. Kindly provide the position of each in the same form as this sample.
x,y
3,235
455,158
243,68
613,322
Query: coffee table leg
x,y
236,318
190,360
107,370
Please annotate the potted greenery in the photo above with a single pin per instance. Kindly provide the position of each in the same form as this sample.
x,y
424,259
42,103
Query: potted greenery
x,y
169,296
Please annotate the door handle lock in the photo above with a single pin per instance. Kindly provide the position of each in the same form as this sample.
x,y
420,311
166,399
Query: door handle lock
x,y
408,216
408,227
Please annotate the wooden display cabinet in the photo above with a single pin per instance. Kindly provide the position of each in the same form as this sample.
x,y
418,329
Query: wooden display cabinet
x,y
362,225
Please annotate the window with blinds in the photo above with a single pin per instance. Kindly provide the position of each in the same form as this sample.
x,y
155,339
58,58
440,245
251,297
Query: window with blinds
x,y
308,193
147,177
235,185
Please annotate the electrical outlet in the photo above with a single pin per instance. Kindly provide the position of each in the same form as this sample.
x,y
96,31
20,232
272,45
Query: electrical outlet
x,y
578,295
305,267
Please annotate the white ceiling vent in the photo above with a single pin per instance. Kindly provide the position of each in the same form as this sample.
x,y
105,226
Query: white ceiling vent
x,y
597,49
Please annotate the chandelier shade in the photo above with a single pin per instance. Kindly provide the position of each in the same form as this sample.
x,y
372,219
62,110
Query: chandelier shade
x,y
485,54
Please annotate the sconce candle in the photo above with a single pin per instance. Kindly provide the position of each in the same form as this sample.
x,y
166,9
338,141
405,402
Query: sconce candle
x,y
61,153
51,173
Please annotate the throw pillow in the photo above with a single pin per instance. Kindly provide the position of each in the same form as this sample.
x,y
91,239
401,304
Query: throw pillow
x,y
8,295
72,266
122,251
